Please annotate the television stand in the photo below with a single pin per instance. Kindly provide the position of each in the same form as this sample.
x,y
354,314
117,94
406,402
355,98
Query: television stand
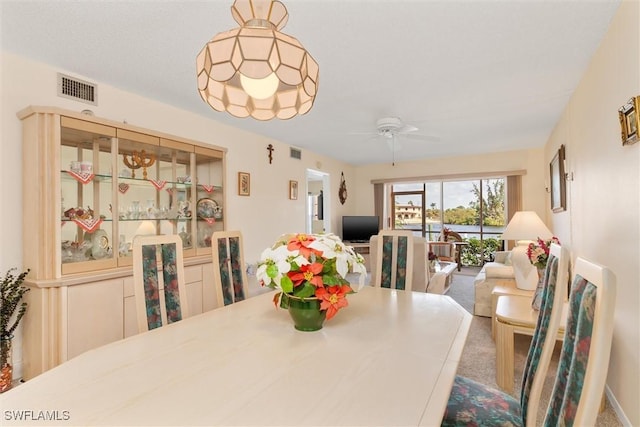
x,y
361,247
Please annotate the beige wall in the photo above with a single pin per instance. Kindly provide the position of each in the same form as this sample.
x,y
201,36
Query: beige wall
x,y
602,221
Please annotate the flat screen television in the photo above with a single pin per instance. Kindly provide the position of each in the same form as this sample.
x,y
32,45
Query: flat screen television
x,y
359,228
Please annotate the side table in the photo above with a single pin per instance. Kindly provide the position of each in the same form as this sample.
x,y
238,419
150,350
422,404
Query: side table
x,y
459,246
440,280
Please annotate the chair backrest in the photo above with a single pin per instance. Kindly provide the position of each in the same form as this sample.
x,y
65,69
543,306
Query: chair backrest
x,y
420,276
451,236
229,272
445,251
154,308
584,359
394,260
555,283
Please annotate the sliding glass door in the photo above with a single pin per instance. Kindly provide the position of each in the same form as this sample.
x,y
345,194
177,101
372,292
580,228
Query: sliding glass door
x,y
475,209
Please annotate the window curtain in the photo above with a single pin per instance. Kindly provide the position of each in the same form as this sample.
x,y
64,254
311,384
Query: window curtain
x,y
378,203
514,199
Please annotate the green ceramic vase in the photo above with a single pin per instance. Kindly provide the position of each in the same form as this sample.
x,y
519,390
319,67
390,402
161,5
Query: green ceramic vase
x,y
306,313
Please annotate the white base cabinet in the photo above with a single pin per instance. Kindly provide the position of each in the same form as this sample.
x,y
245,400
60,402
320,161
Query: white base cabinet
x,y
75,317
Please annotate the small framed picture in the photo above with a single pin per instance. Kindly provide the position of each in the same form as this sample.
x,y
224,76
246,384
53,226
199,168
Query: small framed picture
x,y
293,190
558,183
630,121
244,184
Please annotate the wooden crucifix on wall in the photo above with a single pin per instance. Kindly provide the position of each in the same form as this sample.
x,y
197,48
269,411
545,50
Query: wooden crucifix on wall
x,y
270,149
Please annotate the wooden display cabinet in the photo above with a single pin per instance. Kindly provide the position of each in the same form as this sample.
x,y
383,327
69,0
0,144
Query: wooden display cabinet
x,y
90,186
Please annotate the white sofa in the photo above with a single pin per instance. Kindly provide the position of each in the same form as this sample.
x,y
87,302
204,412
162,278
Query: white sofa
x,y
496,273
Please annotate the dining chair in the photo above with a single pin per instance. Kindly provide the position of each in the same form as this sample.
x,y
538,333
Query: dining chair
x,y
421,274
445,251
584,359
457,240
155,308
394,260
229,272
473,403
514,315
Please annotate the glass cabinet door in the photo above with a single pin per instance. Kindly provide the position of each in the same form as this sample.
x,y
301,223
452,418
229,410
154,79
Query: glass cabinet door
x,y
210,196
86,186
154,190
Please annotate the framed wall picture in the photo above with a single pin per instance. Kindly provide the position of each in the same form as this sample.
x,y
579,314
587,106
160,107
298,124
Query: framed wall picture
x,y
630,121
293,190
558,182
244,184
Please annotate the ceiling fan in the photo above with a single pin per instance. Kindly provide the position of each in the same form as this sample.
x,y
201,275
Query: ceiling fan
x,y
392,130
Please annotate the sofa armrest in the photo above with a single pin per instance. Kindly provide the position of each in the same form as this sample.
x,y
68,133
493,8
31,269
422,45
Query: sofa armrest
x,y
498,271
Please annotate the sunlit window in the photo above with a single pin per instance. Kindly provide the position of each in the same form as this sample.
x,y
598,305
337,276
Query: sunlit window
x,y
474,209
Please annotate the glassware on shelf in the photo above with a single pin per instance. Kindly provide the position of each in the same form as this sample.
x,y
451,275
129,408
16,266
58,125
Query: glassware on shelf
x,y
123,247
185,237
151,211
134,210
75,251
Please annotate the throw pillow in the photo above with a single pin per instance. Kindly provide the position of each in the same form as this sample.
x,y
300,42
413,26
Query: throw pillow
x,y
507,260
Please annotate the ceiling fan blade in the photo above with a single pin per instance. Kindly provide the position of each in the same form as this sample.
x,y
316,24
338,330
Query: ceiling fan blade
x,y
407,128
418,137
362,133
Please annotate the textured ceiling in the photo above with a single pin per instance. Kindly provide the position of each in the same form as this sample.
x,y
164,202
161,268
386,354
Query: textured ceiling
x,y
476,76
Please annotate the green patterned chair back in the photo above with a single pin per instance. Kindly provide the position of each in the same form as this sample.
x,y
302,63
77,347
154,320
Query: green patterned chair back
x,y
584,359
229,272
556,280
160,298
473,403
394,263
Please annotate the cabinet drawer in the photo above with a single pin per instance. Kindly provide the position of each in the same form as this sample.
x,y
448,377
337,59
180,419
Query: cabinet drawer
x,y
193,273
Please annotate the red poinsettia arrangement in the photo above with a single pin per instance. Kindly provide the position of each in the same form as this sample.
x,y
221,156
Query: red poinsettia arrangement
x,y
538,253
311,266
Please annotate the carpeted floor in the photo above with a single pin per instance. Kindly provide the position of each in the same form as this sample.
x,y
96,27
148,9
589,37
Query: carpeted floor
x,y
478,359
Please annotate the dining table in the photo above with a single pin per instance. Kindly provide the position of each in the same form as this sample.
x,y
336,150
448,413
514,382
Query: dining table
x,y
387,359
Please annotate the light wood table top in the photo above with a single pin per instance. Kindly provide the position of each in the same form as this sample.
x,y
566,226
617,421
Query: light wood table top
x,y
388,359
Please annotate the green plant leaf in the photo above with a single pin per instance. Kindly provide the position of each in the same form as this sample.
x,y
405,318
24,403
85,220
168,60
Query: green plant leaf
x,y
305,290
286,284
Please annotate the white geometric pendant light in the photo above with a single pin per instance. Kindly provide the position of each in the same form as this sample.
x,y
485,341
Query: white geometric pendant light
x,y
256,70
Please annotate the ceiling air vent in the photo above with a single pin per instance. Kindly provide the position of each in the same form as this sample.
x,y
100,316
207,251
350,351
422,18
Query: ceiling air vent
x,y
72,88
295,153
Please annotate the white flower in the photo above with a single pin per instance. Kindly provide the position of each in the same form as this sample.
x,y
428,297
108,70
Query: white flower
x,y
277,261
273,264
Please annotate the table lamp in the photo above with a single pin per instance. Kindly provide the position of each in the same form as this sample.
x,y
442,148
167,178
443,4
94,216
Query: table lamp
x,y
524,227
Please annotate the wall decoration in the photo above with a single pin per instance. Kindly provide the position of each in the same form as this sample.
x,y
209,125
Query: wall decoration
x,y
630,121
270,149
293,190
244,184
137,160
558,183
342,191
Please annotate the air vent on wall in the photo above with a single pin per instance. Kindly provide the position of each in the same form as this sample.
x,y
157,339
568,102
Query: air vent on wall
x,y
295,153
72,88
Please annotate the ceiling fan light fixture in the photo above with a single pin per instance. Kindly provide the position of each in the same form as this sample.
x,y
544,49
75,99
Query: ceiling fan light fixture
x,y
256,70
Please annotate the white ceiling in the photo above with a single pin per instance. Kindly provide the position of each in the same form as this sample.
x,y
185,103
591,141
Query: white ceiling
x,y
479,75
